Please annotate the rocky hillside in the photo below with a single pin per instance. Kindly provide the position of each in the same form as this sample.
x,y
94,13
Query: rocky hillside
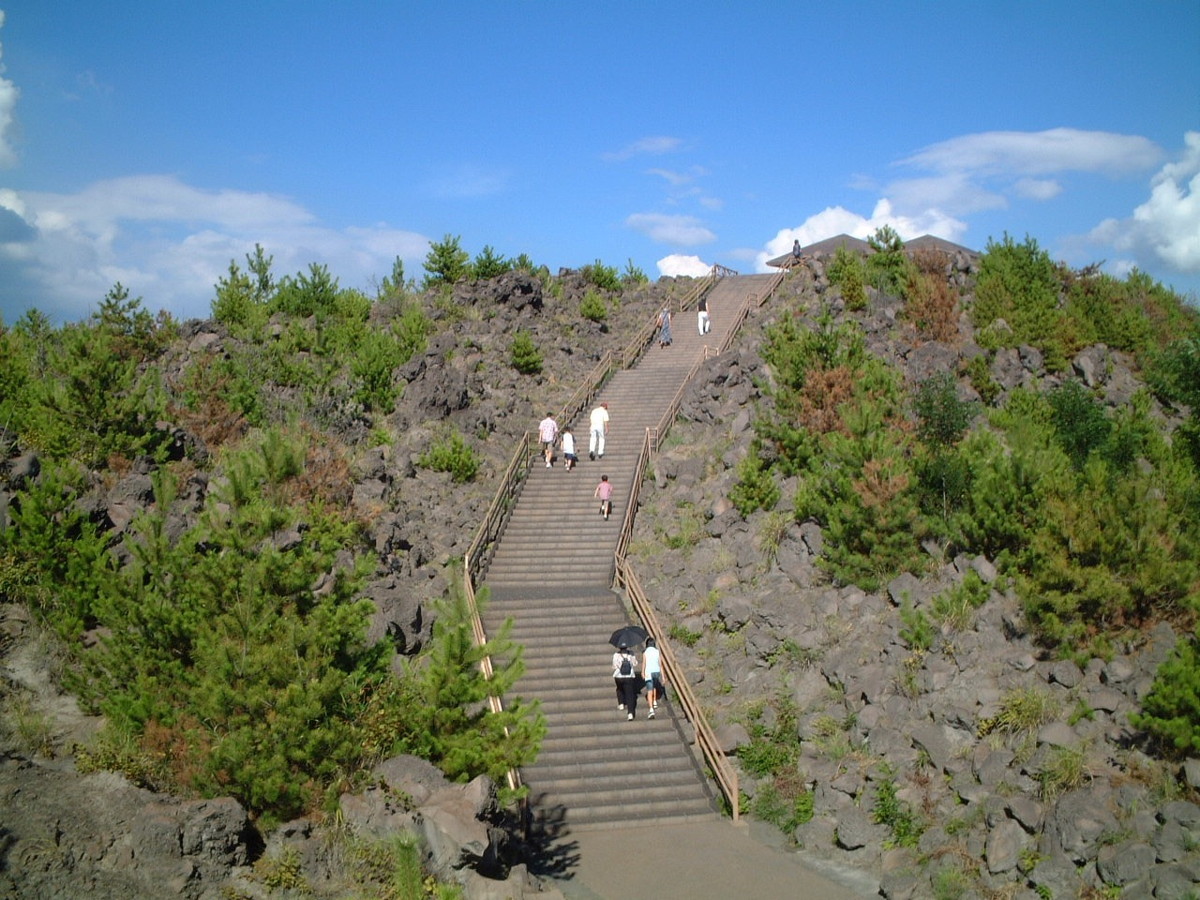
x,y
962,761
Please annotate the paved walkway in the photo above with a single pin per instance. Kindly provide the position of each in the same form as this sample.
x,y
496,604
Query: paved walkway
x,y
692,861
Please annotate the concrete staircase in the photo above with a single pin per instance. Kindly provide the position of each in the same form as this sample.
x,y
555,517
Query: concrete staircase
x,y
551,574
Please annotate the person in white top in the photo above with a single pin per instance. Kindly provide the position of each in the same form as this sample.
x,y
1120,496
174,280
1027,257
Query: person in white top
x,y
547,433
599,425
568,448
652,673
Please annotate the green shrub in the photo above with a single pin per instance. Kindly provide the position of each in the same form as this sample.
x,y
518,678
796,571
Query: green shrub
x,y
1020,284
450,722
847,271
1107,557
446,263
633,275
219,658
943,486
601,276
235,305
956,606
684,635
917,631
898,816
980,375
942,418
489,264
313,293
764,756
524,355
451,453
1171,711
755,487
593,307
865,497
53,556
1080,424
373,365
1022,712
784,802
889,267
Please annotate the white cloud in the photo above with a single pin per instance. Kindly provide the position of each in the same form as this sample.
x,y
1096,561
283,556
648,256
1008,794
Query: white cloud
x,y
976,172
647,146
680,231
169,243
679,265
954,193
836,220
1038,153
8,107
1166,228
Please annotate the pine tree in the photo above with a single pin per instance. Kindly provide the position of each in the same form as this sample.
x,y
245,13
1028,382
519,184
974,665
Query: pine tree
x,y
454,725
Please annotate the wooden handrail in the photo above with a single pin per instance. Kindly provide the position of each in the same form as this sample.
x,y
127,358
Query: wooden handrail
x,y
624,578
482,546
722,770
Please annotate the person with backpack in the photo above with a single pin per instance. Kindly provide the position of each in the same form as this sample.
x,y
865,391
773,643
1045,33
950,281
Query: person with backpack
x,y
626,679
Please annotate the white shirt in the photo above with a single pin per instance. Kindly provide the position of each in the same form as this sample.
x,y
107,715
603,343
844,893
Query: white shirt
x,y
599,419
650,662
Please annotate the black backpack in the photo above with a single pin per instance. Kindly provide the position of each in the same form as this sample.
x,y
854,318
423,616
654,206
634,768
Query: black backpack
x,y
626,666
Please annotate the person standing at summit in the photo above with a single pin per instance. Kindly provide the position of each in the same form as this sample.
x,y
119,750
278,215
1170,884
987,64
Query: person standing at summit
x,y
599,431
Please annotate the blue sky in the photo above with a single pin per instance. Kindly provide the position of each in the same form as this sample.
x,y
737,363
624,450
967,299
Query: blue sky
x,y
152,142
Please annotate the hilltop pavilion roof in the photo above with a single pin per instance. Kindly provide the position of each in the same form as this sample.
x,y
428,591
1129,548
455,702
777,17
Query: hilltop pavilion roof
x,y
829,247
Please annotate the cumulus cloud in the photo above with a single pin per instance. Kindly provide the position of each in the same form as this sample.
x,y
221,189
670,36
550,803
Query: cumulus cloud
x,y
168,242
647,146
680,231
835,220
8,109
679,265
990,170
1166,228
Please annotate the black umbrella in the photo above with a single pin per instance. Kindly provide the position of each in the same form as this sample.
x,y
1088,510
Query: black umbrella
x,y
628,636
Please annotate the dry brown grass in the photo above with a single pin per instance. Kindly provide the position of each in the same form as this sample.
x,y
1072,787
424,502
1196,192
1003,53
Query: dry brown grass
x,y
932,306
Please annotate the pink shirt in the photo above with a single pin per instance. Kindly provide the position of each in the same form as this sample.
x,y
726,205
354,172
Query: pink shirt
x,y
604,490
547,429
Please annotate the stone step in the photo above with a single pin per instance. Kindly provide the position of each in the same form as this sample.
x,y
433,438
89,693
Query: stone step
x,y
550,573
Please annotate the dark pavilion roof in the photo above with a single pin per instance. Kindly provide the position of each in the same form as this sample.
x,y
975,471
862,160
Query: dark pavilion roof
x,y
829,246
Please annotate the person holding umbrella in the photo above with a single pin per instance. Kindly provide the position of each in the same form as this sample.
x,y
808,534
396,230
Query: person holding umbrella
x,y
625,667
